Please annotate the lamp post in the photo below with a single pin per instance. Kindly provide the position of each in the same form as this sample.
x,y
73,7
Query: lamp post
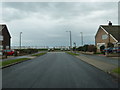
x,y
20,39
70,40
81,38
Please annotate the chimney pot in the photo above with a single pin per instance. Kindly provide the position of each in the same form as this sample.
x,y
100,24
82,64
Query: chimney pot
x,y
110,23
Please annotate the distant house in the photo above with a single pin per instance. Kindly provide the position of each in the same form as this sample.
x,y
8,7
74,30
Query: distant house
x,y
5,38
107,33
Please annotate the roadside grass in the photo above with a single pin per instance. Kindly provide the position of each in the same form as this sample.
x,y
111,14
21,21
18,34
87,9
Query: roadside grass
x,y
117,70
72,53
39,54
4,63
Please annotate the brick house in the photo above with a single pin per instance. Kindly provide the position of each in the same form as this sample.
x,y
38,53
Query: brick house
x,y
5,38
107,33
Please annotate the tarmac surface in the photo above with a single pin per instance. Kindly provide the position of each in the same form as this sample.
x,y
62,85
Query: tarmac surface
x,y
56,70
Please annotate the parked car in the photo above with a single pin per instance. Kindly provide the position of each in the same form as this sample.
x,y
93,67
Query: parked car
x,y
108,50
8,52
116,49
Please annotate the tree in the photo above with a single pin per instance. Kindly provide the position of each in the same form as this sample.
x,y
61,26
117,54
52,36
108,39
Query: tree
x,y
74,48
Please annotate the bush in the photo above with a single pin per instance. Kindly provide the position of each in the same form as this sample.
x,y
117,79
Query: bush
x,y
79,48
94,49
102,48
110,45
74,48
87,48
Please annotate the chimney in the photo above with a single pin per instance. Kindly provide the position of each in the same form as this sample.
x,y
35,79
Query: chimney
x,y
110,23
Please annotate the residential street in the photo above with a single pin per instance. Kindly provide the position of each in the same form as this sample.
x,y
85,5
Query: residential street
x,y
56,70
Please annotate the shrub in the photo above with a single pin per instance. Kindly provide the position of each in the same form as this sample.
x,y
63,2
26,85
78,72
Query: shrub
x,y
102,48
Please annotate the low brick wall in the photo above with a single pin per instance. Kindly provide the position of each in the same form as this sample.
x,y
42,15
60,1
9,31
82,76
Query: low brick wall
x,y
89,53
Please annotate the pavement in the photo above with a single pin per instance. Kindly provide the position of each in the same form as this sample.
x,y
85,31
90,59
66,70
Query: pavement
x,y
103,58
106,64
56,70
99,64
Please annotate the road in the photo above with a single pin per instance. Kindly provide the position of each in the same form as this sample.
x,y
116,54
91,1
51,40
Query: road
x,y
56,70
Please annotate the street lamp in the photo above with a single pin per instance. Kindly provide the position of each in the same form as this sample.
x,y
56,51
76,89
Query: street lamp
x,y
81,38
70,40
20,39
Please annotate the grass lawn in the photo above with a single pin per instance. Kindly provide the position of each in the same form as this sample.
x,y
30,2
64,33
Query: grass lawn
x,y
4,63
71,53
39,54
117,70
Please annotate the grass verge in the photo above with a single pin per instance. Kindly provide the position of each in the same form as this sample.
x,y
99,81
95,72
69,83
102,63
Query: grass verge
x,y
5,63
117,70
72,53
39,54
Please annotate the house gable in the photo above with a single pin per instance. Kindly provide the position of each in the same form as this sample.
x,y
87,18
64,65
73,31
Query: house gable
x,y
5,29
112,34
6,36
99,29
102,37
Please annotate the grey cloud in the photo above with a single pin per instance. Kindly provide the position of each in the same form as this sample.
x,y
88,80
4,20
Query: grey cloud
x,y
48,22
56,10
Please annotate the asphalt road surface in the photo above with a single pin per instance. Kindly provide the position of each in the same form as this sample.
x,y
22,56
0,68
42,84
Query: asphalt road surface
x,y
56,70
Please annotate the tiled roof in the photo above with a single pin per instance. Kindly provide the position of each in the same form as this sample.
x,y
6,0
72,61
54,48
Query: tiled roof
x,y
114,30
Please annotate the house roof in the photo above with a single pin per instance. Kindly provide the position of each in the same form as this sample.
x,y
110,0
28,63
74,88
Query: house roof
x,y
2,26
114,30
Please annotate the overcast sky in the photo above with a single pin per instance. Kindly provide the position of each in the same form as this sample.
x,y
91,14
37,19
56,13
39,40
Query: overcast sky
x,y
45,24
